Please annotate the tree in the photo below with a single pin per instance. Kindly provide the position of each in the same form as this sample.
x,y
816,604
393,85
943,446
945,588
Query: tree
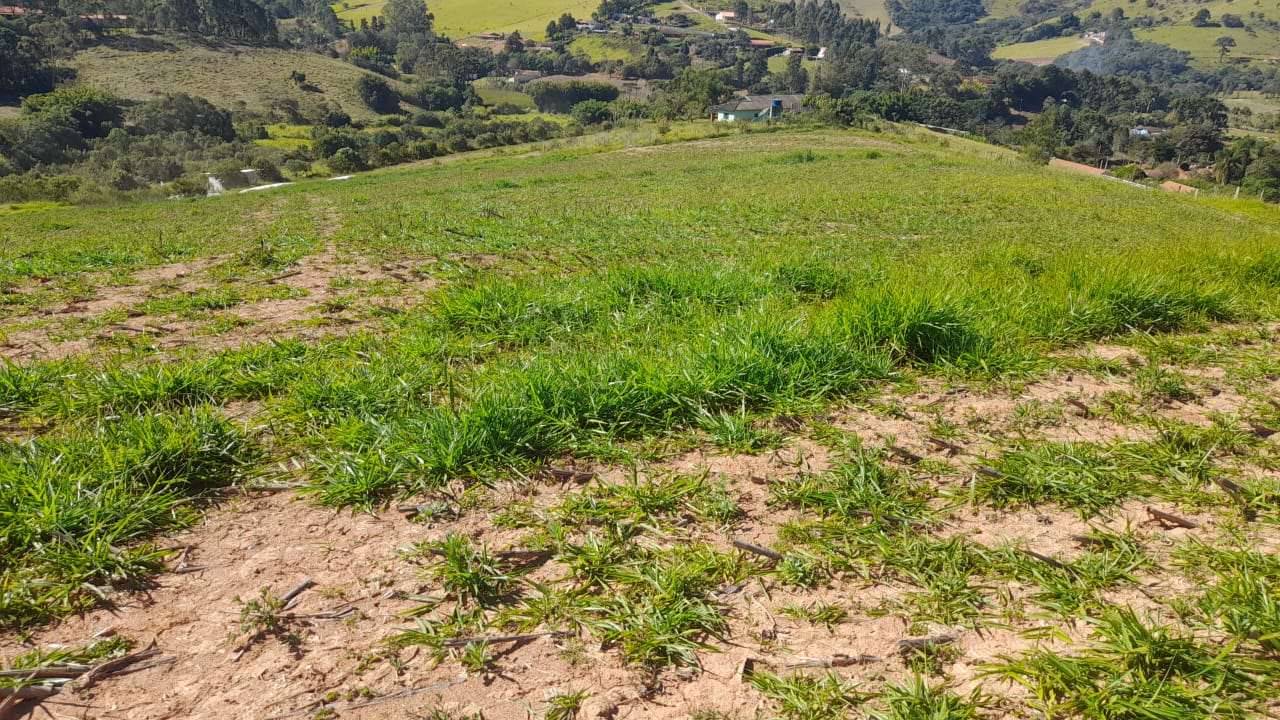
x,y
514,44
377,94
90,112
591,112
1263,176
689,94
1201,18
405,18
1224,45
182,112
437,96
1201,111
346,160
796,78
561,97
1195,142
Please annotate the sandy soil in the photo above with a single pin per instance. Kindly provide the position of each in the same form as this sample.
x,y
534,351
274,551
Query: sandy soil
x,y
339,659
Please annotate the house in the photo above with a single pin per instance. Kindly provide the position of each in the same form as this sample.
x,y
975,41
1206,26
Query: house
x,y
520,77
793,51
725,17
757,107
490,36
760,44
1146,132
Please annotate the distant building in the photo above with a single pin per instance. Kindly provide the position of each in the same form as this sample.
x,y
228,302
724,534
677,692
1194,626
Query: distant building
x,y
520,77
490,36
1146,131
793,51
724,17
757,107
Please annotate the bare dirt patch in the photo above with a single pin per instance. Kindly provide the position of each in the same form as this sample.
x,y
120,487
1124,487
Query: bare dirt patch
x,y
330,293
339,658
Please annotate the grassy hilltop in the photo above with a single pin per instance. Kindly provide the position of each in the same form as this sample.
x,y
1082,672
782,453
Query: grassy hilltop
x,y
908,366
226,73
1257,41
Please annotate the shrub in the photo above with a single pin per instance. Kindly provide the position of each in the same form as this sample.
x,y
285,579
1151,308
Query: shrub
x,y
592,112
561,97
377,94
346,160
1129,172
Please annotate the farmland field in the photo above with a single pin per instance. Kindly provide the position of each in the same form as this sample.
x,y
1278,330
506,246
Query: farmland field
x,y
1051,48
808,423
462,18
1257,41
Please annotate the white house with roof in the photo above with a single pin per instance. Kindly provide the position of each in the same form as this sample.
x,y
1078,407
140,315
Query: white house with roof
x,y
757,107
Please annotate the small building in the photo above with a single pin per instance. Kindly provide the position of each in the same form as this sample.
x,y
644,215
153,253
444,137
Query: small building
x,y
491,36
758,107
520,77
726,17
793,51
1146,132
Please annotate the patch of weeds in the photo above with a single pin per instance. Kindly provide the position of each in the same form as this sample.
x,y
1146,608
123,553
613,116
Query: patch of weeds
x,y
565,705
796,571
104,649
799,157
923,328
659,611
657,631
808,697
735,432
261,617
861,486
470,574
1156,384
1139,668
225,323
930,658
916,699
811,278
1239,594
1037,415
1072,587
80,504
818,613
650,498
338,304
476,660
1080,476
948,572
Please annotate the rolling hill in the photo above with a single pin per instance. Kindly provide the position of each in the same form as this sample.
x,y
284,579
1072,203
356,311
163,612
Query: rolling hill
x,y
1257,41
144,67
804,419
462,18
